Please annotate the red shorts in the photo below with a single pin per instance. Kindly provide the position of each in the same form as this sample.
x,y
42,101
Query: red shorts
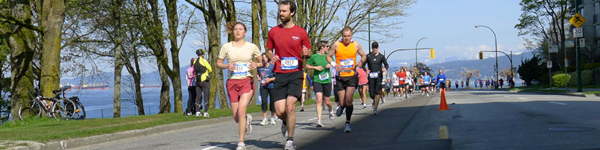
x,y
237,87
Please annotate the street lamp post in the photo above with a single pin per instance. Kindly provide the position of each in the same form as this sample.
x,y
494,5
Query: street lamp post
x,y
416,58
496,46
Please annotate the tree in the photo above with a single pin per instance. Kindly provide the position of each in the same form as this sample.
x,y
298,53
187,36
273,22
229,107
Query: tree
x,y
211,11
468,74
544,20
506,72
531,69
17,27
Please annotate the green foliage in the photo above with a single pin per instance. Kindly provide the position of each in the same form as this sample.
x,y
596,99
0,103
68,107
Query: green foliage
x,y
587,78
590,66
531,69
559,80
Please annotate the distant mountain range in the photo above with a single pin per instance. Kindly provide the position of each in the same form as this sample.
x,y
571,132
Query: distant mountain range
x,y
452,67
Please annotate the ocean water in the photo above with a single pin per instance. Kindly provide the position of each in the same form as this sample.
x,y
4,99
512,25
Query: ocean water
x,y
99,103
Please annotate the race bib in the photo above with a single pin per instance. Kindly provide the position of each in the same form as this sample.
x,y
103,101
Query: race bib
x,y
241,69
289,63
373,74
323,76
441,79
401,79
347,63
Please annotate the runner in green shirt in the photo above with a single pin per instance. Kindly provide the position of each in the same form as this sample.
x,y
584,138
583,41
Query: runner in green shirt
x,y
321,79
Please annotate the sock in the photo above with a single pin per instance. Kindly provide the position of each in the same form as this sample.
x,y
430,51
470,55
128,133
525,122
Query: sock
x,y
349,112
290,138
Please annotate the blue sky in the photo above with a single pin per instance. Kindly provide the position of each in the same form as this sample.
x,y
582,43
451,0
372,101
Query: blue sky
x,y
449,24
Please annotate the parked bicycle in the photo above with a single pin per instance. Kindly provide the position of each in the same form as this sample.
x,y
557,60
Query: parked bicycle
x,y
57,107
79,110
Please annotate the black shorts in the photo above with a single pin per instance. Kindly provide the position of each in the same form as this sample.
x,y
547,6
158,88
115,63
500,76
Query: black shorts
x,y
442,84
396,87
324,88
375,85
343,82
288,84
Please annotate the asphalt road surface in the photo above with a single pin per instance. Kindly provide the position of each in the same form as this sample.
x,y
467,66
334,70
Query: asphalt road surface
x,y
479,119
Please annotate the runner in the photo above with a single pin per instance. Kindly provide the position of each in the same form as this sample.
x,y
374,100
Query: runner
x,y
266,78
286,45
402,82
362,85
407,83
426,83
322,80
374,61
239,55
345,54
395,84
305,86
441,80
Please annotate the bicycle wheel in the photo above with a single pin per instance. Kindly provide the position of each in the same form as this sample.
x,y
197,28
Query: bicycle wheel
x,y
30,109
63,109
79,112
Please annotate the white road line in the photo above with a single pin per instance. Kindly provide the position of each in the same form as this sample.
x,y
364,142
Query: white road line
x,y
521,98
558,103
208,148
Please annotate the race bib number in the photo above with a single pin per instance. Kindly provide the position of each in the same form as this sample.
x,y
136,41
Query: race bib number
x,y
373,74
441,79
401,79
323,76
289,63
241,69
347,63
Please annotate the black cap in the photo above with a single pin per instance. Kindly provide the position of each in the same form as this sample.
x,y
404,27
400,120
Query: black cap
x,y
375,45
200,52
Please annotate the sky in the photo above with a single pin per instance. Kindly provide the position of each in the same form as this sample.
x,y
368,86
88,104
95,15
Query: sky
x,y
449,24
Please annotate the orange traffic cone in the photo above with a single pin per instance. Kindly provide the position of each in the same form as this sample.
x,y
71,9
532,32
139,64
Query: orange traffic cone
x,y
443,105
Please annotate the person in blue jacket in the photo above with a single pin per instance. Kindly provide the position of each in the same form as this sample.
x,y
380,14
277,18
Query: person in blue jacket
x,y
441,80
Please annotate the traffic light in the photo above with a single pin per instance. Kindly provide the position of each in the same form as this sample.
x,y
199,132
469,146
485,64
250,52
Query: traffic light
x,y
480,55
432,53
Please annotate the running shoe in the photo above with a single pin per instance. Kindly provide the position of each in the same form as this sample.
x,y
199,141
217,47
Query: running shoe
x,y
264,122
319,123
422,93
198,113
241,146
427,94
283,130
375,112
331,115
248,125
364,106
338,112
206,114
189,114
347,128
289,145
273,121
302,109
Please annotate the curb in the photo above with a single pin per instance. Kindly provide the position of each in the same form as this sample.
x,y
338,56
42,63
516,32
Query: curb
x,y
97,139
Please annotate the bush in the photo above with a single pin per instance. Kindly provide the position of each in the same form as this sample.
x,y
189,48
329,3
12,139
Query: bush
x,y
587,78
590,66
559,80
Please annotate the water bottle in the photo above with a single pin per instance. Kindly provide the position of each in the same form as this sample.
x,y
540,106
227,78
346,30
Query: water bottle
x,y
45,103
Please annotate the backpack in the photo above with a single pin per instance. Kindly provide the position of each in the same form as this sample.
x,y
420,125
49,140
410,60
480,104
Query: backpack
x,y
190,72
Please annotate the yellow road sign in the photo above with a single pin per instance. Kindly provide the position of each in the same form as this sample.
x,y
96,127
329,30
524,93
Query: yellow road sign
x,y
577,20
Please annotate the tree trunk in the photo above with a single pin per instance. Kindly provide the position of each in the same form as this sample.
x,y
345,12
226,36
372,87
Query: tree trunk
x,y
116,10
53,14
264,23
165,104
255,39
21,45
173,20
215,42
136,73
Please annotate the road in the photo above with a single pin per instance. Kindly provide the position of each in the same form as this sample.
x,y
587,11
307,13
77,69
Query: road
x,y
479,119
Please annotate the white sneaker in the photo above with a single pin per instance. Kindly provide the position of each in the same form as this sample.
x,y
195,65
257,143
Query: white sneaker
x,y
248,125
241,146
364,106
264,122
198,114
347,128
206,114
331,115
427,94
273,121
422,93
283,130
289,145
319,123
189,114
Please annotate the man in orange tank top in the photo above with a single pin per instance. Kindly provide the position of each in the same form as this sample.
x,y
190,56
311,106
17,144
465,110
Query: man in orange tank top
x,y
345,62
